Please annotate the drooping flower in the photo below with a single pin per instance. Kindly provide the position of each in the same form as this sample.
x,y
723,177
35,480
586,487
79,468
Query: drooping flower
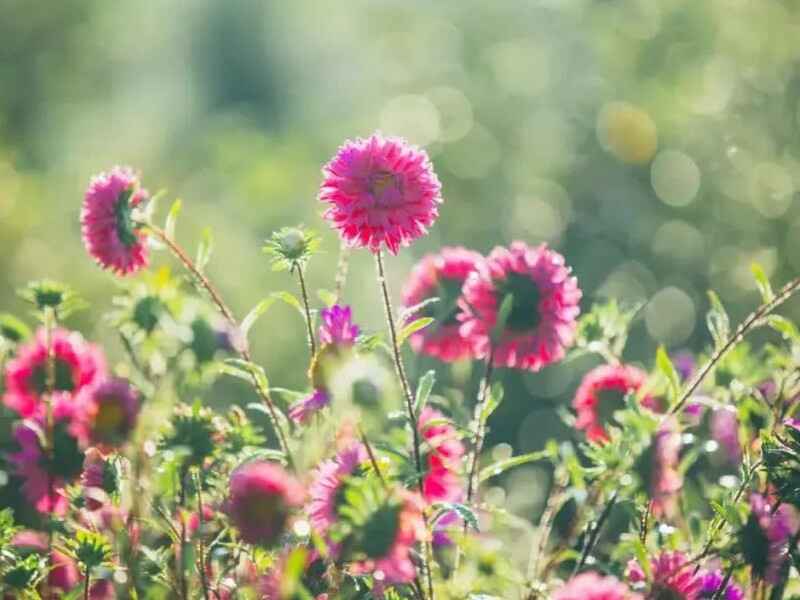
x,y
444,451
441,276
109,233
301,411
601,393
337,326
724,426
380,191
98,480
673,577
544,306
77,364
666,479
112,408
328,482
45,473
593,586
261,499
764,540
711,583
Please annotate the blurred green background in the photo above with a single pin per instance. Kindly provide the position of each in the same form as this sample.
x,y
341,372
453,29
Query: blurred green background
x,y
655,144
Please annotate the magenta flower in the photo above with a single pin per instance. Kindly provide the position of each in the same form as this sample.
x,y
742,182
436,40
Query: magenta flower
x,y
593,586
329,479
541,323
380,191
724,426
78,364
261,499
94,479
442,276
666,480
673,577
765,538
337,326
301,411
444,451
109,233
112,408
601,392
711,583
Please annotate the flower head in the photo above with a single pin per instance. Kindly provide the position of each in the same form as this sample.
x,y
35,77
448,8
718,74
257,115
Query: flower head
x,y
112,408
593,586
301,411
673,577
291,247
442,480
109,233
98,480
764,540
544,305
602,392
329,480
261,498
666,480
711,583
380,191
77,365
337,326
441,276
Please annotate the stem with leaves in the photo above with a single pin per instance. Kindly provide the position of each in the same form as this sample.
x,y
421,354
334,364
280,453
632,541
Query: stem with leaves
x,y
244,352
312,344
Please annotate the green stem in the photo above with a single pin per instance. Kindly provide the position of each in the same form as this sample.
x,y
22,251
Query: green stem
x,y
201,559
312,345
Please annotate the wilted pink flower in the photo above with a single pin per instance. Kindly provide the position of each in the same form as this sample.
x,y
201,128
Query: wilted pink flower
x,y
380,191
725,431
337,326
601,392
765,538
443,453
593,586
673,576
109,233
666,480
441,276
111,408
77,363
261,498
541,322
327,484
302,410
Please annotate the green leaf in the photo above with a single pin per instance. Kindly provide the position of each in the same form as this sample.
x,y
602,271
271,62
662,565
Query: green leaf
x,y
667,369
784,326
424,388
205,249
492,401
717,320
413,327
291,300
258,310
509,463
410,311
241,368
464,511
762,281
172,217
502,316
328,297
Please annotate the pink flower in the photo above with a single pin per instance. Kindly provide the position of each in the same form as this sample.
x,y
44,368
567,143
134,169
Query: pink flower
x,y
765,539
112,408
602,392
275,585
78,364
441,275
46,473
261,498
329,479
380,191
666,480
673,576
442,480
593,586
109,233
337,326
725,430
711,583
301,411
95,479
541,323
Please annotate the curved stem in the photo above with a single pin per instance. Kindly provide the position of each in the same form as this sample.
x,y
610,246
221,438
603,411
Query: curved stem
x,y
312,345
244,352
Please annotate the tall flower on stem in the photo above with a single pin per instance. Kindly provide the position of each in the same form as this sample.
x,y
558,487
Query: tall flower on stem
x,y
764,540
672,576
111,409
593,586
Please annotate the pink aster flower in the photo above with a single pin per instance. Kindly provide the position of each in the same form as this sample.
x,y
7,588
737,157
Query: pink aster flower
x,y
109,233
725,431
111,408
542,320
666,480
593,586
337,326
380,191
301,411
78,364
442,481
261,498
601,393
765,538
673,576
441,276
329,478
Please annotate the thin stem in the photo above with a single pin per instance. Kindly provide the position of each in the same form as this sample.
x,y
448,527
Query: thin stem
x,y
86,581
198,483
595,533
312,344
244,352
744,327
545,525
372,459
341,271
480,426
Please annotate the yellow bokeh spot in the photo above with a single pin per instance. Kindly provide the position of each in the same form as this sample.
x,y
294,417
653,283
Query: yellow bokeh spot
x,y
627,132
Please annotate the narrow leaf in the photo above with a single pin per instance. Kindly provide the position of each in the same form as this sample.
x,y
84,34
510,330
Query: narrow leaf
x,y
502,316
205,249
667,369
424,388
762,281
493,401
717,320
172,217
509,463
413,327
258,310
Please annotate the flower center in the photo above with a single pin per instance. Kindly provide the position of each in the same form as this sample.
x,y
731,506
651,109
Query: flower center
x,y
110,417
525,315
609,402
122,214
385,188
261,510
63,377
380,530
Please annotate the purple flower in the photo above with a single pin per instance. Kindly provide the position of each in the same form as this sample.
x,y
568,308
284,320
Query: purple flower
x,y
302,410
337,326
711,583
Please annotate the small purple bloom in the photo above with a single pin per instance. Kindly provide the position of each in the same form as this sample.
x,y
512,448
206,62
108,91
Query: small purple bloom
x,y
337,326
725,430
711,583
302,410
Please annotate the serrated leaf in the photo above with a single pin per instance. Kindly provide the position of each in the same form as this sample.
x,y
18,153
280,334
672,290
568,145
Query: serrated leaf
x,y
172,217
205,249
667,369
762,281
424,388
717,320
502,316
509,463
412,328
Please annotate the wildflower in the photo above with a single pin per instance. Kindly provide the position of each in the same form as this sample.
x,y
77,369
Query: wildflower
x,y
711,583
544,305
291,247
601,393
380,191
593,586
112,408
673,577
77,364
441,482
764,540
301,411
725,430
98,480
109,233
666,480
261,498
337,326
63,575
329,481
442,276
